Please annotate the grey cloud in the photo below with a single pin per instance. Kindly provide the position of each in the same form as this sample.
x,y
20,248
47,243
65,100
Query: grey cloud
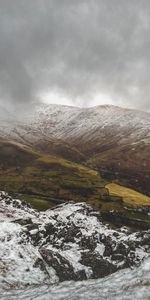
x,y
78,48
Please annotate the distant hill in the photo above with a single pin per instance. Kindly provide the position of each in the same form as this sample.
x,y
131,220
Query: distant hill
x,y
110,139
60,153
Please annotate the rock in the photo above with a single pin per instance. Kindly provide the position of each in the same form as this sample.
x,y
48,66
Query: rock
x,y
64,270
69,242
88,243
100,266
24,222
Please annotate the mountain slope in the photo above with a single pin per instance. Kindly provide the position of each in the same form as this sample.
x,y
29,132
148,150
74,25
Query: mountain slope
x,y
113,140
23,170
61,153
46,181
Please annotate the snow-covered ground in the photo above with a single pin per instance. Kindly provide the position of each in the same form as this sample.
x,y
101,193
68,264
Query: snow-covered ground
x,y
70,122
65,122
123,285
69,242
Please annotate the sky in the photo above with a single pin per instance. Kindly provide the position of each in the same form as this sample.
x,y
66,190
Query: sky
x,y
75,52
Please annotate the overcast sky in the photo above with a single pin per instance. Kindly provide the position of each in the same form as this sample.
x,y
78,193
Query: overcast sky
x,y
78,52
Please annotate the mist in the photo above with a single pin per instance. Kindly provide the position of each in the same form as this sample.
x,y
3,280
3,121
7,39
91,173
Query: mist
x,y
80,53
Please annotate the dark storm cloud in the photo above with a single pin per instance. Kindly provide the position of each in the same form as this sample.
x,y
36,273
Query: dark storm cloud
x,y
76,48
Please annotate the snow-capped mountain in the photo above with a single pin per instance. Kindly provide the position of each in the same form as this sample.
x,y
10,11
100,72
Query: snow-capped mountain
x,y
116,141
73,123
66,122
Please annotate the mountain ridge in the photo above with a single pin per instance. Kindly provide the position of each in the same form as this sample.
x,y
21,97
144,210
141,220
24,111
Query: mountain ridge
x,y
112,140
108,138
91,155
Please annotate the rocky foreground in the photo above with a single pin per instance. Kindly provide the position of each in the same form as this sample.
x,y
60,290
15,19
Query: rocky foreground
x,y
69,242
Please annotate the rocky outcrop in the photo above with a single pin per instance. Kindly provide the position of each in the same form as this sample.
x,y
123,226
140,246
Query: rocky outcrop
x,y
69,242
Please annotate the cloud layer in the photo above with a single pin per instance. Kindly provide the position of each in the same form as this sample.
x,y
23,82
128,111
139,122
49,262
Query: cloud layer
x,y
78,50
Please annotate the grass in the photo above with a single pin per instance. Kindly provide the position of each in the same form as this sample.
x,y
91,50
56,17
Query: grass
x,y
37,202
126,165
130,197
38,177
23,170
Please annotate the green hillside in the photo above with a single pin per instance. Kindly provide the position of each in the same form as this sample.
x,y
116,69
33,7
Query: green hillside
x,y
46,181
25,171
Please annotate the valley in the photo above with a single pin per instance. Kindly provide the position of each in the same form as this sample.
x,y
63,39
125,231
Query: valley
x,y
85,156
